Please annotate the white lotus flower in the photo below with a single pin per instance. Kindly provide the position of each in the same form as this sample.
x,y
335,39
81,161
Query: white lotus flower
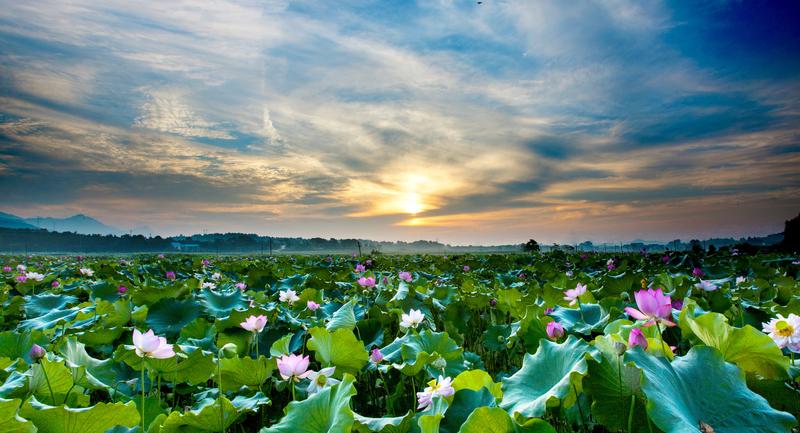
x,y
289,296
208,285
86,272
34,276
785,331
412,319
321,379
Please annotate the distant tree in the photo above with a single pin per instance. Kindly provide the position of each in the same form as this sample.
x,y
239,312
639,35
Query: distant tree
x,y
791,235
530,246
697,247
712,249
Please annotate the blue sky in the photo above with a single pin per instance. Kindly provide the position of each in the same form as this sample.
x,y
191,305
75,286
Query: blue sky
x,y
444,120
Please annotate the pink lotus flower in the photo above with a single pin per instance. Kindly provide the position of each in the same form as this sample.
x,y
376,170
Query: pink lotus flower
x,y
241,286
677,304
548,311
206,262
311,305
572,295
366,282
55,284
22,268
442,387
37,352
554,330
376,356
637,338
254,324
149,345
86,272
405,276
160,256
293,367
7,269
654,306
360,268
697,272
466,268
170,275
21,278
122,290
706,285
665,259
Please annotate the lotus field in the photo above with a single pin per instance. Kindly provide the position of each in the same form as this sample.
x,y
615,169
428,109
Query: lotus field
x,y
553,342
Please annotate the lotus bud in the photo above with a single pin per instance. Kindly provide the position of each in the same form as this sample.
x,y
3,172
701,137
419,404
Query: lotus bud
x,y
439,363
619,348
37,352
229,351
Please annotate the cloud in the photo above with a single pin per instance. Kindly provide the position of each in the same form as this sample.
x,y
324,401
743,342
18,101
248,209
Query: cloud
x,y
405,120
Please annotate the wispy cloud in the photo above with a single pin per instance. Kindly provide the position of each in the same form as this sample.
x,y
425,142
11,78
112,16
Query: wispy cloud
x,y
451,120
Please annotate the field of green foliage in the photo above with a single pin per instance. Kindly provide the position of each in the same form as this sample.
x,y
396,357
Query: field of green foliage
x,y
555,342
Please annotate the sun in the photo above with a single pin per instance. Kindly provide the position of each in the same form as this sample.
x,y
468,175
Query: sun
x,y
412,203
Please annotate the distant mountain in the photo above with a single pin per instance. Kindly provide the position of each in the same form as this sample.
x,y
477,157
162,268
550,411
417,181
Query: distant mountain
x,y
77,223
14,222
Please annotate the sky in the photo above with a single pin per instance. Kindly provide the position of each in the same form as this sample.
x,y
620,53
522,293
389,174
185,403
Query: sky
x,y
446,120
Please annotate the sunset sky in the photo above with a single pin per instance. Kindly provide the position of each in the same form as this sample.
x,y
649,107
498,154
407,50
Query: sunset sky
x,y
451,120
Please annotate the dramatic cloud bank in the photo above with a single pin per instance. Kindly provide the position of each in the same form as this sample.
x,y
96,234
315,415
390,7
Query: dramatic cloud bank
x,y
447,120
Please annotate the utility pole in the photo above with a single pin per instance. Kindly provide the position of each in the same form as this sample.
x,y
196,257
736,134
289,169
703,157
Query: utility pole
x,y
270,246
359,247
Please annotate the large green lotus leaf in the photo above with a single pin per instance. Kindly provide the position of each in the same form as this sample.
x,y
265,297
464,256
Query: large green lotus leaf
x,y
15,385
10,422
295,282
496,337
496,420
151,292
104,290
750,349
60,380
780,394
397,424
238,372
94,419
428,421
327,411
221,303
547,377
613,386
418,351
464,402
17,344
54,318
98,374
340,348
39,305
343,318
702,387
475,380
207,416
593,318
192,368
169,316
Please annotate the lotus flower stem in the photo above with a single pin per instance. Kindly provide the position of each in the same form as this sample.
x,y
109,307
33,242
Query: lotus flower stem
x,y
142,385
630,413
293,396
219,384
47,379
661,337
580,309
577,401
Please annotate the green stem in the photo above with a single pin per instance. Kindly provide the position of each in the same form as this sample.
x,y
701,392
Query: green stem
x,y
68,392
293,396
580,310
219,383
664,346
142,385
580,410
386,388
256,338
630,413
47,379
